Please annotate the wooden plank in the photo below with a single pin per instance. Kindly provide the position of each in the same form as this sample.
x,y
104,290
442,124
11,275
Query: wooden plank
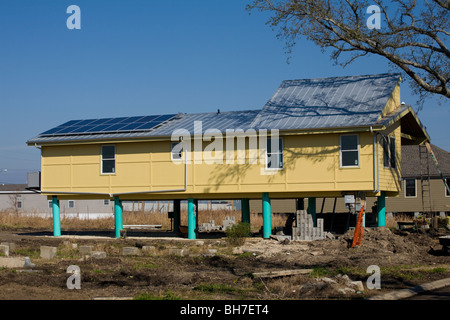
x,y
281,273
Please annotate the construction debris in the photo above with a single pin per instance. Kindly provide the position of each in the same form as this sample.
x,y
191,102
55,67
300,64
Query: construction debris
x,y
305,229
211,227
281,273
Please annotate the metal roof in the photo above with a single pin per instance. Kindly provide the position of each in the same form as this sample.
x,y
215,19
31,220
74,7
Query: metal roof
x,y
297,104
216,120
327,102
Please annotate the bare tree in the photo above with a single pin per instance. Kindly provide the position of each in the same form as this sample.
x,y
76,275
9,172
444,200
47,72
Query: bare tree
x,y
411,36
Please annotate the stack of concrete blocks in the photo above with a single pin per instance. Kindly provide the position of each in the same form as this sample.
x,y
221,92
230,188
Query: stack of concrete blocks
x,y
209,227
228,222
305,229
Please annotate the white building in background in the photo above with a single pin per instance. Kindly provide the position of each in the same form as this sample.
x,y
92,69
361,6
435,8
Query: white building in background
x,y
16,198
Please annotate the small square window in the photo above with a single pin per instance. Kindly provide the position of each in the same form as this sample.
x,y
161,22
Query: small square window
x,y
71,204
106,202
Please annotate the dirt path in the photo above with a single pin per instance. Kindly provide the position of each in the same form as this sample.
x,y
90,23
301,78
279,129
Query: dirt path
x,y
171,268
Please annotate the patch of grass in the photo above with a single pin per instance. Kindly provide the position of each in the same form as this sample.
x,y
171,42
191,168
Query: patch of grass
x,y
237,233
217,288
28,252
320,272
141,265
438,270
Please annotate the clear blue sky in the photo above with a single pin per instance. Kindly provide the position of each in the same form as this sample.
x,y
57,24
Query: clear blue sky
x,y
144,57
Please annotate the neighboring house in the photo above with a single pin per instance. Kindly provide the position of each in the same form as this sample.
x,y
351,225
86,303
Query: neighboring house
x,y
314,138
16,198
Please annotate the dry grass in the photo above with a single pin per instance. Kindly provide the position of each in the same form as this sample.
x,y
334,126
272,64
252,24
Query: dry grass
x,y
10,219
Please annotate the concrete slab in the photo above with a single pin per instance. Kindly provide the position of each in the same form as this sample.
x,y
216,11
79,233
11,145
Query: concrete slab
x,y
16,262
130,251
48,252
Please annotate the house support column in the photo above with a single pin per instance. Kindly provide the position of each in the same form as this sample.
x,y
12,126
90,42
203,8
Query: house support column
x,y
191,219
176,215
312,209
56,217
245,208
267,216
300,204
381,209
118,212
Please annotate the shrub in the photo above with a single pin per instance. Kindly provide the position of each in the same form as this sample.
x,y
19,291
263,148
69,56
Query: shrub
x,y
237,233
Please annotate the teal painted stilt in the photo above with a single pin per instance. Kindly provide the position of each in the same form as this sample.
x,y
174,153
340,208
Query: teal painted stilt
x,y
118,210
267,216
381,208
56,217
312,209
191,219
176,215
245,208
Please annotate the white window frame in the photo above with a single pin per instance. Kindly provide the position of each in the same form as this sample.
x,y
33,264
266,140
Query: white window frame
x,y
340,150
172,145
415,187
19,201
445,189
106,202
280,151
69,202
101,156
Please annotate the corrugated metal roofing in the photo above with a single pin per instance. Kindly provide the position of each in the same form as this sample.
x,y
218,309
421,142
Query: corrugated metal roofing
x,y
297,104
327,102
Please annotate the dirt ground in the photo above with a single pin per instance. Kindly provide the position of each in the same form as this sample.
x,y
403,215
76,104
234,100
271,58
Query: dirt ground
x,y
210,269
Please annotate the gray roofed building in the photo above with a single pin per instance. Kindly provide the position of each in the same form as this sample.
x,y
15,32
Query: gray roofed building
x,y
327,102
411,164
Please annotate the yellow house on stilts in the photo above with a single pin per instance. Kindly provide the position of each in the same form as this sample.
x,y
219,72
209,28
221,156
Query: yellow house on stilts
x,y
314,138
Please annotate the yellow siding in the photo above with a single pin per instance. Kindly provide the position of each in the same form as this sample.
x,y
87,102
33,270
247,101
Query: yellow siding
x,y
389,177
311,166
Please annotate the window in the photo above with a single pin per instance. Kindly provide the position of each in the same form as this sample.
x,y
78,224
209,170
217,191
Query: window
x,y
389,154
447,180
19,202
108,159
274,157
71,204
349,151
410,188
177,151
106,202
392,152
50,204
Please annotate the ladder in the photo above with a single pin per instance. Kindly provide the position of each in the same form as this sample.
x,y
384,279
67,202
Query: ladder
x,y
425,179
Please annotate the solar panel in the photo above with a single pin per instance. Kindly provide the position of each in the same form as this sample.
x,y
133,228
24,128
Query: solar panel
x,y
108,125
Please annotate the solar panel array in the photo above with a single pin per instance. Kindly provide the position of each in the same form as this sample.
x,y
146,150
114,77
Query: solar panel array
x,y
108,125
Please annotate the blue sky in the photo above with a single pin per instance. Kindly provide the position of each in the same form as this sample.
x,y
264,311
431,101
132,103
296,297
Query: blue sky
x,y
144,57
